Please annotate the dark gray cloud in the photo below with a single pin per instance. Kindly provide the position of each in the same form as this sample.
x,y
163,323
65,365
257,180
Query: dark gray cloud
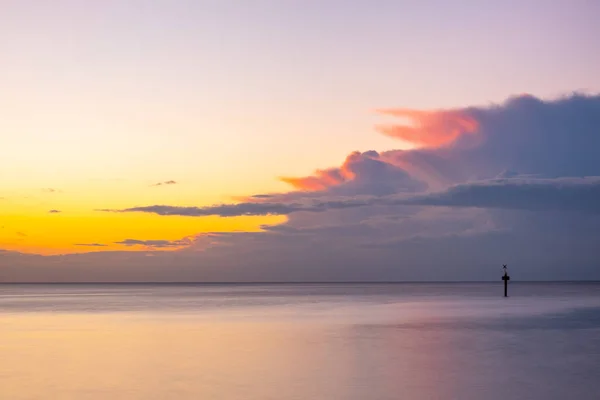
x,y
562,194
91,244
224,210
156,243
553,138
165,183
567,194
54,211
250,208
556,138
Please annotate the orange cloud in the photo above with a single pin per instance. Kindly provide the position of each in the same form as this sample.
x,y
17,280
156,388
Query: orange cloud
x,y
429,128
321,180
326,178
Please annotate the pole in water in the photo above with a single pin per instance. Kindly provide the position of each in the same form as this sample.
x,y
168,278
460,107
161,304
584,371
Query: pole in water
x,y
505,278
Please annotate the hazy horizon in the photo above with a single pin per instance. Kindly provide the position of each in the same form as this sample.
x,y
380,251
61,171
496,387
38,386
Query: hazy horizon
x,y
233,283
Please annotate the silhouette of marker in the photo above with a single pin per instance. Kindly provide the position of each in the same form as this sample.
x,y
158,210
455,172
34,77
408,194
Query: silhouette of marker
x,y
505,278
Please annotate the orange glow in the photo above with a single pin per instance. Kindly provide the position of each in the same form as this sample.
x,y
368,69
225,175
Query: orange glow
x,y
429,128
60,234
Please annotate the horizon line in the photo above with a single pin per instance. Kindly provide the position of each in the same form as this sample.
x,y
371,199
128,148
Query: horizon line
x,y
288,282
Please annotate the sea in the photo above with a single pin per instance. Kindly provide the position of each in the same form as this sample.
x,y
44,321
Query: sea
x,y
328,341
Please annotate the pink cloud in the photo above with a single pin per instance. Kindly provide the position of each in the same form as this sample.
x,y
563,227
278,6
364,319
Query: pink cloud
x,y
429,128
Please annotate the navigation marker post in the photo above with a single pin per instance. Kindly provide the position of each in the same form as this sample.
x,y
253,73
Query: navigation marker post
x,y
505,278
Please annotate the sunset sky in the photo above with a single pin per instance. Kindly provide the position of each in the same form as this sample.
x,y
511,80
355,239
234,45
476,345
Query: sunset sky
x,y
299,140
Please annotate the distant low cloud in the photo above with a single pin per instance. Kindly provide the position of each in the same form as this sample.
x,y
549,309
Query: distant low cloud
x,y
255,198
165,183
22,234
567,194
250,208
156,243
50,190
91,244
54,211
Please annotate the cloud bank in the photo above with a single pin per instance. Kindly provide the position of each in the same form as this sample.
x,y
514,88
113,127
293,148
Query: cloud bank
x,y
516,183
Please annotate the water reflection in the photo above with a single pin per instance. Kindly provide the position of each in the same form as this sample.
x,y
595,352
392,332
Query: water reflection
x,y
372,343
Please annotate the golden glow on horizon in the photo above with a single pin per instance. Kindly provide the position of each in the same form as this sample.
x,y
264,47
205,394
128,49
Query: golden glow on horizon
x,y
45,233
28,226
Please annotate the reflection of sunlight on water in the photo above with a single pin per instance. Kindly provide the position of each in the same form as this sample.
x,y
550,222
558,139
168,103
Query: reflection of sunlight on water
x,y
95,357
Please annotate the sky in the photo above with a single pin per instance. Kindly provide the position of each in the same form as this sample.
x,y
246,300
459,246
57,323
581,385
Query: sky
x,y
299,140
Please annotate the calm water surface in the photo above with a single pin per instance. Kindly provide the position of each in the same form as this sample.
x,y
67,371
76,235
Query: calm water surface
x,y
283,342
